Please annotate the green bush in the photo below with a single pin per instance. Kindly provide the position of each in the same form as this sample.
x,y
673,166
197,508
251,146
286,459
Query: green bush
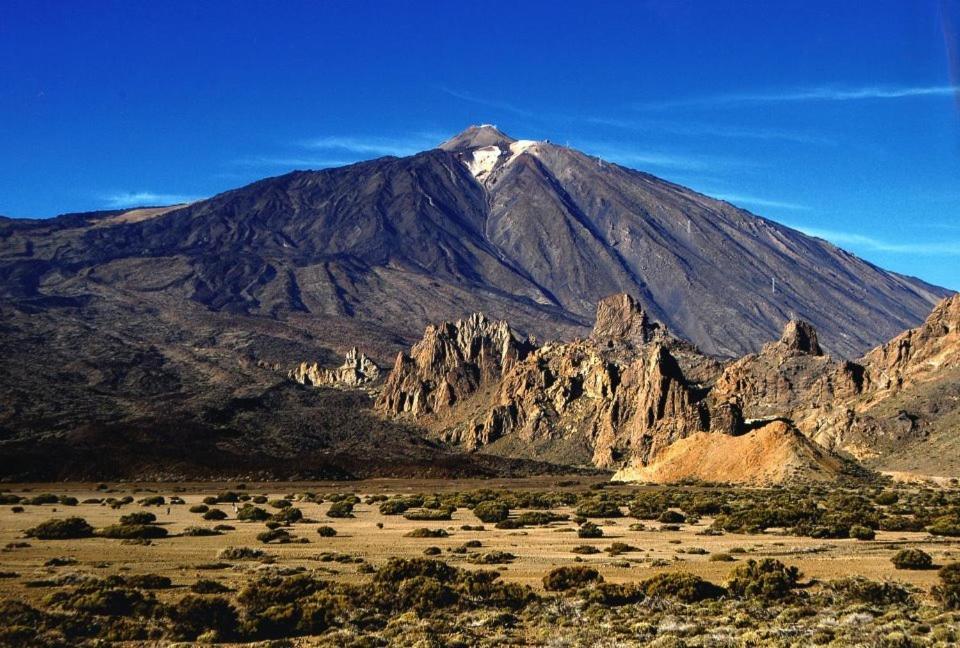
x,y
945,526
863,590
326,531
281,503
589,530
614,595
214,514
491,558
683,587
599,509
61,529
291,515
199,508
862,533
425,514
767,579
206,586
562,579
343,509
279,536
491,511
585,549
912,559
948,591
199,532
241,553
194,615
138,517
426,533
154,500
132,532
252,514
400,569
671,517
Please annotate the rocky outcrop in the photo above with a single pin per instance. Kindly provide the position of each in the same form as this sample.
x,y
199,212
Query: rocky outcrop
x,y
632,397
356,370
451,362
918,354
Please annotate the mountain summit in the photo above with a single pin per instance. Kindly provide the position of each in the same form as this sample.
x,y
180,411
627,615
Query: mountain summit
x,y
476,137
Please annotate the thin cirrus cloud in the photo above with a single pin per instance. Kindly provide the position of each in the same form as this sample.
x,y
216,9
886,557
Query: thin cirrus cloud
x,y
758,201
486,101
339,150
710,130
122,199
820,93
662,159
871,244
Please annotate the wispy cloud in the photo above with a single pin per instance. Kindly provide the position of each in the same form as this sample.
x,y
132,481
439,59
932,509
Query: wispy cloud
x,y
122,199
757,201
663,159
819,93
869,243
292,162
710,130
485,101
374,145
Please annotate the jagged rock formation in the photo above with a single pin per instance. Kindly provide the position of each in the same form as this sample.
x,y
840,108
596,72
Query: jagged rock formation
x,y
357,369
625,398
451,362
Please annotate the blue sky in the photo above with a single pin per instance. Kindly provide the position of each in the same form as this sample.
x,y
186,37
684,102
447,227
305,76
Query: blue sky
x,y
838,118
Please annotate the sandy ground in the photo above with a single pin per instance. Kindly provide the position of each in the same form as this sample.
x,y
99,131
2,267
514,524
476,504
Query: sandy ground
x,y
537,549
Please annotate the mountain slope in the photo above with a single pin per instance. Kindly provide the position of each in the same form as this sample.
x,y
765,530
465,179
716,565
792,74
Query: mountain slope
x,y
168,313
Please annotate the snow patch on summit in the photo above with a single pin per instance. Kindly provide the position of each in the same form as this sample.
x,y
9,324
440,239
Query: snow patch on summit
x,y
482,160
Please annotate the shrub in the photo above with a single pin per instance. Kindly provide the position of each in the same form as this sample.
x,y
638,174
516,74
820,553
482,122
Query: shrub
x,y
194,615
426,533
290,515
945,526
613,595
432,551
199,508
491,511
599,509
252,514
948,591
154,500
197,532
585,549
721,557
562,579
671,517
912,559
863,590
491,558
534,518
768,579
214,514
425,514
683,587
279,536
589,530
886,498
61,529
618,548
138,517
394,506
326,531
400,569
280,503
862,533
144,581
132,532
241,553
341,509
207,586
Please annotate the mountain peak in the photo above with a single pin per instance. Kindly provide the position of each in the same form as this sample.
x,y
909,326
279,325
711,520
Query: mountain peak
x,y
477,136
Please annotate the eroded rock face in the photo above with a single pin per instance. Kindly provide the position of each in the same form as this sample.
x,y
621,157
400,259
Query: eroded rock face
x,y
450,363
357,370
625,395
